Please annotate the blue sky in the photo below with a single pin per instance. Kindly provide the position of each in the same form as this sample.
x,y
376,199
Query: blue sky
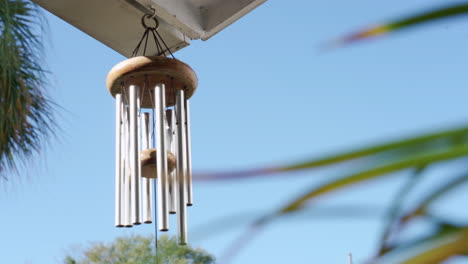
x,y
267,95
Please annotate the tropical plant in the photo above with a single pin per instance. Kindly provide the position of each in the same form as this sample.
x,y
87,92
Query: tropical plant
x,y
141,250
416,155
25,109
406,22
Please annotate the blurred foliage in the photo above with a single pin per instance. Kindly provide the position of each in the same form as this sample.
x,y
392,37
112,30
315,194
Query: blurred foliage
x,y
405,23
26,112
416,155
27,121
141,250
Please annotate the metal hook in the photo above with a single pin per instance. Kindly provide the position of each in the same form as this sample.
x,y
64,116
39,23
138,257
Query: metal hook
x,y
154,11
148,16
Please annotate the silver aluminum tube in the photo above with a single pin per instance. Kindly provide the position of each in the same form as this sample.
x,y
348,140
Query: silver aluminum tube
x,y
134,94
189,154
118,161
181,152
171,120
161,158
146,182
151,182
139,154
126,169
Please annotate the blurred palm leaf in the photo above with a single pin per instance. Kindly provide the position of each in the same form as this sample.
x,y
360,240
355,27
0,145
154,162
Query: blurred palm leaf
x,y
410,153
383,160
422,206
404,23
228,222
377,172
394,211
25,110
398,221
386,151
446,242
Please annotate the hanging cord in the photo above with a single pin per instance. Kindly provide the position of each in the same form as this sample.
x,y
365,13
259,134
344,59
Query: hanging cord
x,y
161,47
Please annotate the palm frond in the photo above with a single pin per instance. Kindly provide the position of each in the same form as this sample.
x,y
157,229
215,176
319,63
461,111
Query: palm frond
x,y
386,151
444,243
26,118
404,23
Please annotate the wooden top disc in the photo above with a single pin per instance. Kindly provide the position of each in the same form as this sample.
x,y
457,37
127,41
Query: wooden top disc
x,y
148,71
148,163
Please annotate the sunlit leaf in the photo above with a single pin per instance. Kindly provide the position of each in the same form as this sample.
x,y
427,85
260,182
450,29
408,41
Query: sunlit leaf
x,y
395,209
404,23
418,161
396,148
226,223
431,197
444,244
341,183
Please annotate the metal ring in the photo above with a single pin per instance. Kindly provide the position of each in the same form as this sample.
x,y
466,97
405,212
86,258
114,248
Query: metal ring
x,y
149,17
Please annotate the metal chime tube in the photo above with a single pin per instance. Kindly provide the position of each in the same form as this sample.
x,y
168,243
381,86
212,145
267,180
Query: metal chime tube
x,y
189,155
126,169
139,148
134,94
181,162
146,182
161,158
118,161
171,119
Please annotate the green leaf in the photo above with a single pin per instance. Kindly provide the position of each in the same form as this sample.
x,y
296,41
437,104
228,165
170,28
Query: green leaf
x,y
406,22
300,203
393,214
395,148
442,245
423,205
27,121
228,222
417,161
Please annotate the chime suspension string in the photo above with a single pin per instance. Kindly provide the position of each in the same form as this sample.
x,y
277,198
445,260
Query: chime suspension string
x,y
157,44
157,40
164,43
137,48
146,43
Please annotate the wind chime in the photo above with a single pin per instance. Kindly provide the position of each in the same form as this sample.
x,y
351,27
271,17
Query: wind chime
x,y
153,160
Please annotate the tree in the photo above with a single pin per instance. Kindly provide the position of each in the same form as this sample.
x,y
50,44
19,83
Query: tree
x,y
140,249
25,110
